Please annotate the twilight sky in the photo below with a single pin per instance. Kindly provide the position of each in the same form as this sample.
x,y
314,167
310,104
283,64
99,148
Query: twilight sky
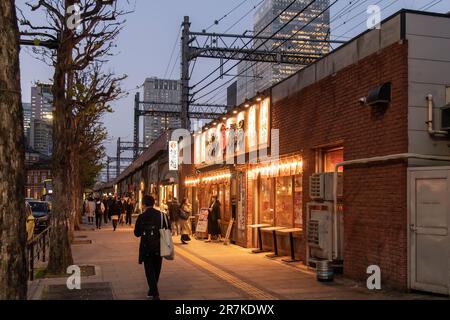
x,y
146,43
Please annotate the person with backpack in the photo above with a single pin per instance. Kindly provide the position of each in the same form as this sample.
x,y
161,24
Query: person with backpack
x,y
147,227
99,211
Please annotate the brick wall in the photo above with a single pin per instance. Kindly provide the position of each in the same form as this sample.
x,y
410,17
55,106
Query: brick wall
x,y
329,112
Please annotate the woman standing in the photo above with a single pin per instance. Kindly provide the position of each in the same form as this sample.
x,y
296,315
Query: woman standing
x,y
214,220
183,221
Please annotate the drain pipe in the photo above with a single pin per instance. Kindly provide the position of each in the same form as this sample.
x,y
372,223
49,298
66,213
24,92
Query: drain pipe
x,y
429,123
364,161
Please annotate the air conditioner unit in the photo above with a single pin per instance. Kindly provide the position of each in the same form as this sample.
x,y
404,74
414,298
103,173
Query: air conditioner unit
x,y
445,118
321,186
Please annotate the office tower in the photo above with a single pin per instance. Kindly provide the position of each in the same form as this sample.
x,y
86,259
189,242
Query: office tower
x,y
159,94
260,76
41,136
41,101
40,131
26,121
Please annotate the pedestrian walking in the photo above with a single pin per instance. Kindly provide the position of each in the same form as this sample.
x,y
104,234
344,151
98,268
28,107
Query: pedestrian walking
x,y
174,214
129,211
115,212
147,228
110,207
99,212
90,210
214,220
123,210
105,204
183,221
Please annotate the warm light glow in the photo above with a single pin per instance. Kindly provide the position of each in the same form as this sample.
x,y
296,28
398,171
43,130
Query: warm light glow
x,y
277,168
191,182
235,111
224,118
247,105
217,177
259,99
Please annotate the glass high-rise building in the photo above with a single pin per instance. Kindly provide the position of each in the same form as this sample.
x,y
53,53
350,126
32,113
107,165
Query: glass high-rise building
x,y
26,121
260,76
41,101
41,119
164,91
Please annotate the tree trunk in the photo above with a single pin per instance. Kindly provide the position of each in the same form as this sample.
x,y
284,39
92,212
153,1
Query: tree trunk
x,y
60,255
13,262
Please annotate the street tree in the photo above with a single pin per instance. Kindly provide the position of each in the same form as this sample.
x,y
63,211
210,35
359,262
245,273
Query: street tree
x,y
94,90
13,266
84,32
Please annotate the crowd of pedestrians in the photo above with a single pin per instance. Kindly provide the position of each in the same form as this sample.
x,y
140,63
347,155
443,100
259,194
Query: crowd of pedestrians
x,y
117,209
171,215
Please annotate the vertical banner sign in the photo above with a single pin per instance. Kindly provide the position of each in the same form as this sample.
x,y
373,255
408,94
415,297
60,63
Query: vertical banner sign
x,y
263,138
173,155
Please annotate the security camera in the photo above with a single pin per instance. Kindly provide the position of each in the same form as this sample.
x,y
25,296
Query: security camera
x,y
363,100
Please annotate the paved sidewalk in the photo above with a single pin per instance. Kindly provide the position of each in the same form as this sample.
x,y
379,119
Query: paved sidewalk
x,y
200,271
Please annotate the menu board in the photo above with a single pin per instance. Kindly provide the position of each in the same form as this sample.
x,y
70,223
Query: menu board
x,y
202,224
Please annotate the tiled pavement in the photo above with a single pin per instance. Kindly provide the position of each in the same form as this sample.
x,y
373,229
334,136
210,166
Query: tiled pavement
x,y
202,271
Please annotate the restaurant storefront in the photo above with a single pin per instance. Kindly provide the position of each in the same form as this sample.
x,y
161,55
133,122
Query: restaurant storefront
x,y
233,161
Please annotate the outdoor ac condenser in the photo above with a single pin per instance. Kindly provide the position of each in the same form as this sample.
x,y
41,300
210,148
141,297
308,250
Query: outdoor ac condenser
x,y
321,186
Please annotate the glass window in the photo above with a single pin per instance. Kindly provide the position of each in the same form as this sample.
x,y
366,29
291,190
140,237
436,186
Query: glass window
x,y
266,209
331,157
284,202
298,201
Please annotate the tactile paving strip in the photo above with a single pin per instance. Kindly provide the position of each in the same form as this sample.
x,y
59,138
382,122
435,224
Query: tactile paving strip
x,y
249,289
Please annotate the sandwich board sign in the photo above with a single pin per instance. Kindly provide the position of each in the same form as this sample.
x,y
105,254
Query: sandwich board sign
x,y
202,224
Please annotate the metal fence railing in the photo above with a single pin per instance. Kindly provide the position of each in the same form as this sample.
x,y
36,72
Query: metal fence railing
x,y
37,249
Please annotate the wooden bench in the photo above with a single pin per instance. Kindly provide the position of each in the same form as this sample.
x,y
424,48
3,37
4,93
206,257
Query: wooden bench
x,y
291,232
258,227
275,242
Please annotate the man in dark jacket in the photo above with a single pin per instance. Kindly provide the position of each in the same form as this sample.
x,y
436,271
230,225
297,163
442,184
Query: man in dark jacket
x,y
147,227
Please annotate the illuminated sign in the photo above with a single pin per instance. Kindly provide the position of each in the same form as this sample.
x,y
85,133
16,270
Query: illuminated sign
x,y
173,155
264,123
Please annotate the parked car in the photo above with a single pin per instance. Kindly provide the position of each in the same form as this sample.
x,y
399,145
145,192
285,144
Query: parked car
x,y
41,211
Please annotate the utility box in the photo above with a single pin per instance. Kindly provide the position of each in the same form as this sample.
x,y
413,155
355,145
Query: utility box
x,y
320,232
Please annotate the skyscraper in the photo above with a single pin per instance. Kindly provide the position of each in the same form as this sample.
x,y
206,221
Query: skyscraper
x,y
26,121
41,101
163,91
40,131
260,76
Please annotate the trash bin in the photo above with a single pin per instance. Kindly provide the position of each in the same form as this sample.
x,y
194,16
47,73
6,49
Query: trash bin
x,y
324,271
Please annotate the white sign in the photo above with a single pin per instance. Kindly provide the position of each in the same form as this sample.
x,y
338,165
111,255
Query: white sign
x,y
173,155
202,224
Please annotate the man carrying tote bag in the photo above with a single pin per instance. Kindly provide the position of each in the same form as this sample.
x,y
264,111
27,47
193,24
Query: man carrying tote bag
x,y
153,228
